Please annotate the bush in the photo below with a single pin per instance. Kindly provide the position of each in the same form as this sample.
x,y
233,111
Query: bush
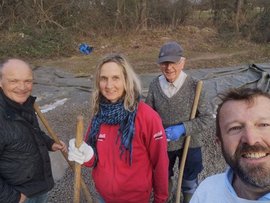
x,y
261,30
28,42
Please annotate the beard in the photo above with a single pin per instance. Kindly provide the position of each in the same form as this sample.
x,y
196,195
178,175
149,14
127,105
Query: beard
x,y
255,175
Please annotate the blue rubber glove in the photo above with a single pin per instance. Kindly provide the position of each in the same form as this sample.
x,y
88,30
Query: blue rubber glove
x,y
85,49
174,132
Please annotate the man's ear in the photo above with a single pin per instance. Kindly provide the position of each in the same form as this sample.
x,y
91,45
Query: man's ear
x,y
218,141
182,63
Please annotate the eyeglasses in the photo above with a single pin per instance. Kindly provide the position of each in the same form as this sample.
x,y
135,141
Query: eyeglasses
x,y
168,63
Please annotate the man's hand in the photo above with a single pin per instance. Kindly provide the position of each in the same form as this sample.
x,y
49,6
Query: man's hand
x,y
61,147
23,198
82,154
174,132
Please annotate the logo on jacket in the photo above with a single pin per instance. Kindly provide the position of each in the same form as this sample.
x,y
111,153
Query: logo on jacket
x,y
158,135
101,137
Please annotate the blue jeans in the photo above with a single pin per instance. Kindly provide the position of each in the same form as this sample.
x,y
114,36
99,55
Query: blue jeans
x,y
38,199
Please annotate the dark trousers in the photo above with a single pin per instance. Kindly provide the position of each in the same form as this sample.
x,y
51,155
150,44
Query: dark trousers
x,y
192,168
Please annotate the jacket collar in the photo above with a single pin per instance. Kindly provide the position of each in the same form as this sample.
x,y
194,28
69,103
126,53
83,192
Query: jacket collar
x,y
13,109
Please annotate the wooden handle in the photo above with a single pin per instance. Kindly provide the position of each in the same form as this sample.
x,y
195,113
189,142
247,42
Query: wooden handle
x,y
196,99
46,124
187,140
77,174
79,133
56,139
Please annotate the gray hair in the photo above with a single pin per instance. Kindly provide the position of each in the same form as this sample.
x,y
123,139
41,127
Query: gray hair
x,y
2,63
5,61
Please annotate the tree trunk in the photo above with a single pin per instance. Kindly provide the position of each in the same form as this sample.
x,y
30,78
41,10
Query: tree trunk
x,y
119,13
144,15
237,14
141,14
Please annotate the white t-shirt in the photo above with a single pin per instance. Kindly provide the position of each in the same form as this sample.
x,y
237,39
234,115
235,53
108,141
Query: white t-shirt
x,y
218,189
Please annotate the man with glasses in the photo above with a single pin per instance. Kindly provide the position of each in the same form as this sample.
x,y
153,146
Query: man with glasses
x,y
171,95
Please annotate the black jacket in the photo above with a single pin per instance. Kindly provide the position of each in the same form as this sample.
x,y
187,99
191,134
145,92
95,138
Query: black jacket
x,y
24,159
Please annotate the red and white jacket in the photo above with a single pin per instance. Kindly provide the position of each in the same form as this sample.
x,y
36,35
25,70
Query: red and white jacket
x,y
119,182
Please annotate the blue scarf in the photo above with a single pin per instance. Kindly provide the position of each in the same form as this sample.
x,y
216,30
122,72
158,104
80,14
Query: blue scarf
x,y
113,114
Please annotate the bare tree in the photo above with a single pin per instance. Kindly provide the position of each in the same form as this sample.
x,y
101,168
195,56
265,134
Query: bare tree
x,y
119,13
238,8
180,10
141,14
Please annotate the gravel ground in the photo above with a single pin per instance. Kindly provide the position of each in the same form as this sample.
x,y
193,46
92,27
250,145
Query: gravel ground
x,y
63,121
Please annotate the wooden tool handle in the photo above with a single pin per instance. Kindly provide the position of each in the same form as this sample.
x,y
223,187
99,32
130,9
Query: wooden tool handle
x,y
187,140
77,174
56,139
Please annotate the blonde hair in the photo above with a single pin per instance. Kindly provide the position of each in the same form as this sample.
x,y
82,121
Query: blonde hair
x,y
132,85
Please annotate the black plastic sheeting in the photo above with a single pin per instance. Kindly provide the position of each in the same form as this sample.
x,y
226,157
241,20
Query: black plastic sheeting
x,y
218,80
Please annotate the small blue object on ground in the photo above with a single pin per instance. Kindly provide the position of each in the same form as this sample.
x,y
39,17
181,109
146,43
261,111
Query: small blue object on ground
x,y
85,48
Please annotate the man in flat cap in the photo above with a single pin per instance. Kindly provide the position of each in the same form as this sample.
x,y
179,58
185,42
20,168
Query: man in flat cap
x,y
171,95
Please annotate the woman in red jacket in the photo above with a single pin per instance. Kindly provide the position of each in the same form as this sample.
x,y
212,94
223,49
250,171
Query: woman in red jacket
x,y
125,141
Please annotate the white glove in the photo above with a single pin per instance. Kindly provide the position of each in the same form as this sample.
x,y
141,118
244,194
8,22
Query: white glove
x,y
80,155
